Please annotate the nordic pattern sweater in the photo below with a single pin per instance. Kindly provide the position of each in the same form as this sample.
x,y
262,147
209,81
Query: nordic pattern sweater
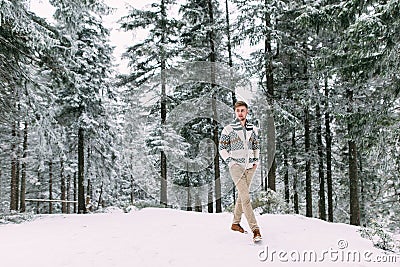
x,y
239,144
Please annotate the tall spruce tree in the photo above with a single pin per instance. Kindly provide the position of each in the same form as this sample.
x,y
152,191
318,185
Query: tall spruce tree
x,y
151,57
87,64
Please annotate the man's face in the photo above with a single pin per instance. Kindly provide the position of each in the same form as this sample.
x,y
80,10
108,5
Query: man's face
x,y
241,113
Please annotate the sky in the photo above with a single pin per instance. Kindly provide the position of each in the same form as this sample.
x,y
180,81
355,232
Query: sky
x,y
118,37
121,39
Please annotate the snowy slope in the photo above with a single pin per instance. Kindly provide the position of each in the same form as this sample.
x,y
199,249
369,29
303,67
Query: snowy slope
x,y
165,237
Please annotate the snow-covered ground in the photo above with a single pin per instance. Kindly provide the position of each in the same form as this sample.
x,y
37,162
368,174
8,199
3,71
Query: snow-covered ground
x,y
165,237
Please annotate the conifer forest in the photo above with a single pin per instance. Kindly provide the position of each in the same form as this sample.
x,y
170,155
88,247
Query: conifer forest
x,y
82,128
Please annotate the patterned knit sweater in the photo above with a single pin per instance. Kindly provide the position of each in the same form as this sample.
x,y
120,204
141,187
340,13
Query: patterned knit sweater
x,y
240,145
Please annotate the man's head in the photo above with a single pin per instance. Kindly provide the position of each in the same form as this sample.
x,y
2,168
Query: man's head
x,y
241,110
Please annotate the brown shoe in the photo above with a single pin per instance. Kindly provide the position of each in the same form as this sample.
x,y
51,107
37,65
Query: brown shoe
x,y
257,236
237,227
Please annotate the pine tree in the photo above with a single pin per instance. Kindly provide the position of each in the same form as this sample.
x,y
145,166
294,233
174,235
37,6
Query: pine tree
x,y
202,40
87,64
152,57
25,39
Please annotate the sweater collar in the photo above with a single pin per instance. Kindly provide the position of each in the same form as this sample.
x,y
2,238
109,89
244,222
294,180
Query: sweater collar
x,y
237,122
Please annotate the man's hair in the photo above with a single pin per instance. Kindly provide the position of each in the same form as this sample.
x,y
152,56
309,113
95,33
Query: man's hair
x,y
239,104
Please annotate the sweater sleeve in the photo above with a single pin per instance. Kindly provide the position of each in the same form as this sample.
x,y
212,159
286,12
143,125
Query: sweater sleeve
x,y
225,146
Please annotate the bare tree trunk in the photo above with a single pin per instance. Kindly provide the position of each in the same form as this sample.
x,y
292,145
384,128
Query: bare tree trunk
x,y
309,212
163,158
132,193
23,170
88,198
1,186
362,192
286,178
39,192
189,196
328,140
50,186
295,177
68,193
14,182
210,206
321,201
75,193
100,201
272,175
17,170
63,187
81,168
353,176
270,99
217,175
228,34
230,63
198,207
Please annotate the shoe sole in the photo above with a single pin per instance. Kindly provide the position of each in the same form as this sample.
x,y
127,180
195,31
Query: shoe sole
x,y
257,239
244,232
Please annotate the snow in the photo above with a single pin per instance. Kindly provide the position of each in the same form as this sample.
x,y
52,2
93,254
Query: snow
x,y
166,237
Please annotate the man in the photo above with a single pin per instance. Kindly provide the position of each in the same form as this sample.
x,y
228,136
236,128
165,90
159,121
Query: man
x,y
239,148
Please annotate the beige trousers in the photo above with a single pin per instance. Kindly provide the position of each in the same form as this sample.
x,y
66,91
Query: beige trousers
x,y
242,179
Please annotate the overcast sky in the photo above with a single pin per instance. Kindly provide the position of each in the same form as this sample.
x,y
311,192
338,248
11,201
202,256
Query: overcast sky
x,y
118,38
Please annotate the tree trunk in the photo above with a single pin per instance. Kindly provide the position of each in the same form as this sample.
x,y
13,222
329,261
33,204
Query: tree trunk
x,y
14,182
68,193
39,192
295,177
100,200
88,198
89,190
353,176
217,180
217,174
1,185
163,158
198,207
63,187
23,169
17,170
321,201
328,141
189,196
270,101
309,212
75,193
132,193
50,186
210,206
272,174
286,178
81,168
362,192
230,63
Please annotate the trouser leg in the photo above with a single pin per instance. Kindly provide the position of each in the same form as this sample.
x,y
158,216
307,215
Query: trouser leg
x,y
242,179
